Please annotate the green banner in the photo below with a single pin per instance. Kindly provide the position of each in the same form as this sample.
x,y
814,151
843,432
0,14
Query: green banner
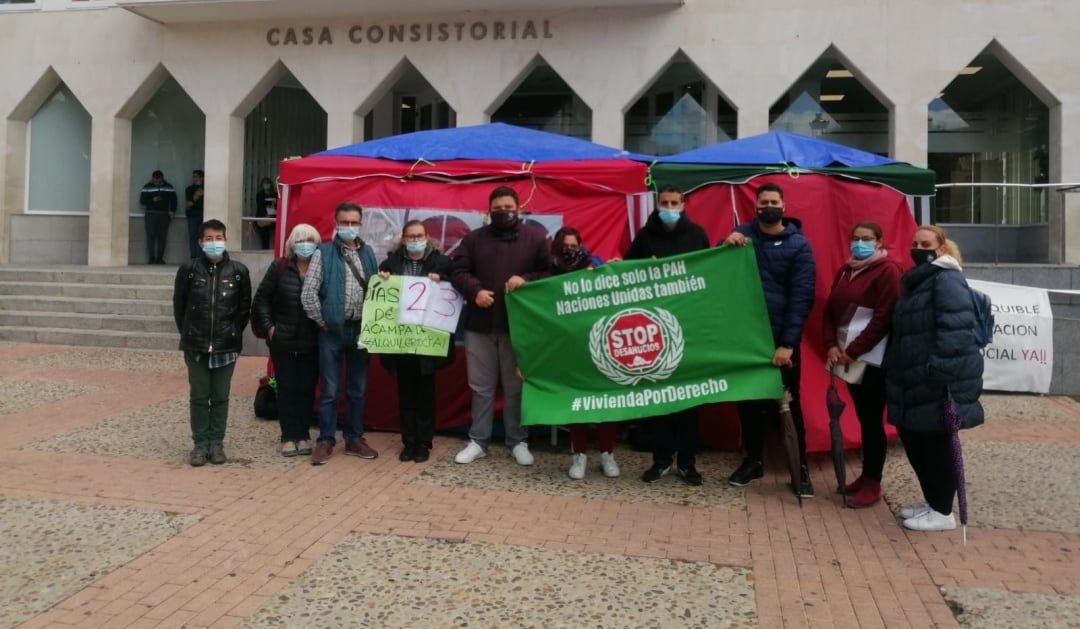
x,y
380,331
640,338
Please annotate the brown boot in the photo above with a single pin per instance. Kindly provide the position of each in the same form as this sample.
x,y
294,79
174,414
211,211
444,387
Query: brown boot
x,y
868,495
322,454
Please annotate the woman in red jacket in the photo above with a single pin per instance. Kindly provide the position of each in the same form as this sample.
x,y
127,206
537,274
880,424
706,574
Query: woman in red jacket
x,y
869,280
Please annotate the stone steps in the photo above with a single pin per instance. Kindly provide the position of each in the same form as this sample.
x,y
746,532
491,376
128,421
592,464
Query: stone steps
x,y
128,307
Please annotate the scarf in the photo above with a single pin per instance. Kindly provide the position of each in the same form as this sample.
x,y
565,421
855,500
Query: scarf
x,y
856,266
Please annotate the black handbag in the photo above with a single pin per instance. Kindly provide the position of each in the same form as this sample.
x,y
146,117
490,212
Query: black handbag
x,y
266,399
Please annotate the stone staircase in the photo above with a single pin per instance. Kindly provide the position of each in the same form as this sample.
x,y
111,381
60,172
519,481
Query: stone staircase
x,y
129,307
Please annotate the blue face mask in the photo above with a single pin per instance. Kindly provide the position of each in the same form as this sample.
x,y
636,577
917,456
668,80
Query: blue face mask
x,y
213,249
416,247
304,250
348,234
669,217
862,249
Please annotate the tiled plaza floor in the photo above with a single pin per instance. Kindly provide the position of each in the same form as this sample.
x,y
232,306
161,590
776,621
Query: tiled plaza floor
x,y
105,525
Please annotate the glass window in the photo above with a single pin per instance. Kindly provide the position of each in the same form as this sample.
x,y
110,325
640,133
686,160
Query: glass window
x,y
286,123
169,135
545,102
680,111
411,104
59,171
830,103
987,127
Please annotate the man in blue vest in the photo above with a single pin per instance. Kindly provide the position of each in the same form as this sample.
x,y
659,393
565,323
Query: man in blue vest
x,y
333,297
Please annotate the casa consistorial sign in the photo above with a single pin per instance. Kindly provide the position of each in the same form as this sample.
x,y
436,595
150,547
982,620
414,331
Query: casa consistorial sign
x,y
409,32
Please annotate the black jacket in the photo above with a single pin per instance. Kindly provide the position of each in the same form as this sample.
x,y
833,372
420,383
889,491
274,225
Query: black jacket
x,y
655,240
277,305
932,349
211,304
433,262
155,198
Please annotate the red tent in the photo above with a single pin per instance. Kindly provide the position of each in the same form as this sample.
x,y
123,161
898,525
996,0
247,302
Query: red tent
x,y
432,176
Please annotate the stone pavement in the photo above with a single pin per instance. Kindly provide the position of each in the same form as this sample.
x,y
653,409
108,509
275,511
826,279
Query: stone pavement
x,y
105,525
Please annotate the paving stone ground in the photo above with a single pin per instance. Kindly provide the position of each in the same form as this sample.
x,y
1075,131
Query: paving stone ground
x,y
106,526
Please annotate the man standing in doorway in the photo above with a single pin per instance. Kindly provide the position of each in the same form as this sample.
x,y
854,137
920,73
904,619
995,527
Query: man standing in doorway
x,y
211,304
786,265
490,262
333,297
670,232
193,211
158,199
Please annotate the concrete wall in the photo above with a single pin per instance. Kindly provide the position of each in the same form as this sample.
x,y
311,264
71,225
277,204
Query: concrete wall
x,y
1014,244
904,52
49,239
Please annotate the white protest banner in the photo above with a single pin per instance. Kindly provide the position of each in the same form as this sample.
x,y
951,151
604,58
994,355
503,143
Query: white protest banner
x,y
430,304
1021,358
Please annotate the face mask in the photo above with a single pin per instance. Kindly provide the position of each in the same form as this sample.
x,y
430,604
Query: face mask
x,y
304,250
770,215
213,248
862,249
923,256
504,221
669,217
266,187
347,233
416,247
573,257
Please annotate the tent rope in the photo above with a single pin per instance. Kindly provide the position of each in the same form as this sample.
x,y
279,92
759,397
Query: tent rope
x,y
650,181
527,168
419,160
791,170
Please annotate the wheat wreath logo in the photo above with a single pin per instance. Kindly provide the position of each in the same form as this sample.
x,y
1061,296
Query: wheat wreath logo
x,y
636,344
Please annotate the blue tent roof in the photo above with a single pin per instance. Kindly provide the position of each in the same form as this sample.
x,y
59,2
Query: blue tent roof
x,y
496,141
778,147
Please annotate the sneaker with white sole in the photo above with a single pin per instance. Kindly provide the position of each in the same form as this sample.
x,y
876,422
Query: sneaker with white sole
x,y
931,521
470,453
577,466
914,510
608,464
521,454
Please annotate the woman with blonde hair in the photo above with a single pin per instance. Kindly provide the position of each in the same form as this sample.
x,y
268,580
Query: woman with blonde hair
x,y
933,357
278,316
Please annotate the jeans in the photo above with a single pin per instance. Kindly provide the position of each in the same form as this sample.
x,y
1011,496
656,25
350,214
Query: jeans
x,y
209,399
157,233
490,360
296,375
755,414
193,225
336,350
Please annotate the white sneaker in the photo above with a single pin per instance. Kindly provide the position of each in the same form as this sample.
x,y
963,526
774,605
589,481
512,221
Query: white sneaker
x,y
608,464
577,466
931,521
470,453
521,454
914,510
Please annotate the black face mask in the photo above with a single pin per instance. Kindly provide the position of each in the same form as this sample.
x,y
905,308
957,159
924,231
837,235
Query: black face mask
x,y
504,221
770,215
574,258
923,256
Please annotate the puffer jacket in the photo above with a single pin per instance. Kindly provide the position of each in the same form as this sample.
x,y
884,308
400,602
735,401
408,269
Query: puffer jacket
x,y
655,239
277,305
932,350
211,304
786,265
433,262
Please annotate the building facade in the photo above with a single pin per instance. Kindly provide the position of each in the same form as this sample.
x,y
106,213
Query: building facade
x,y
100,93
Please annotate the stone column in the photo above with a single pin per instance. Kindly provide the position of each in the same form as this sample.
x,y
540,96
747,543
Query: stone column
x,y
753,119
12,176
224,183
343,127
908,133
110,178
1064,208
607,126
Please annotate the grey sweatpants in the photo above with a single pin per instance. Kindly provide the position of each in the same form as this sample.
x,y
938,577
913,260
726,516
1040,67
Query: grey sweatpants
x,y
491,359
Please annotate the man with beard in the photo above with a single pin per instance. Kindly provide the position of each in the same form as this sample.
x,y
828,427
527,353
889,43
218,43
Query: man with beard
x,y
786,265
490,262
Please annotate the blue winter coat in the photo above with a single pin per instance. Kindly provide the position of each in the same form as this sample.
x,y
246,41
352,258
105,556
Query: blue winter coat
x,y
786,265
932,348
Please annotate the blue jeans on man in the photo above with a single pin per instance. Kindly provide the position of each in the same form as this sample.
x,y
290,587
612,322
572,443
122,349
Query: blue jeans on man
x,y
336,350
